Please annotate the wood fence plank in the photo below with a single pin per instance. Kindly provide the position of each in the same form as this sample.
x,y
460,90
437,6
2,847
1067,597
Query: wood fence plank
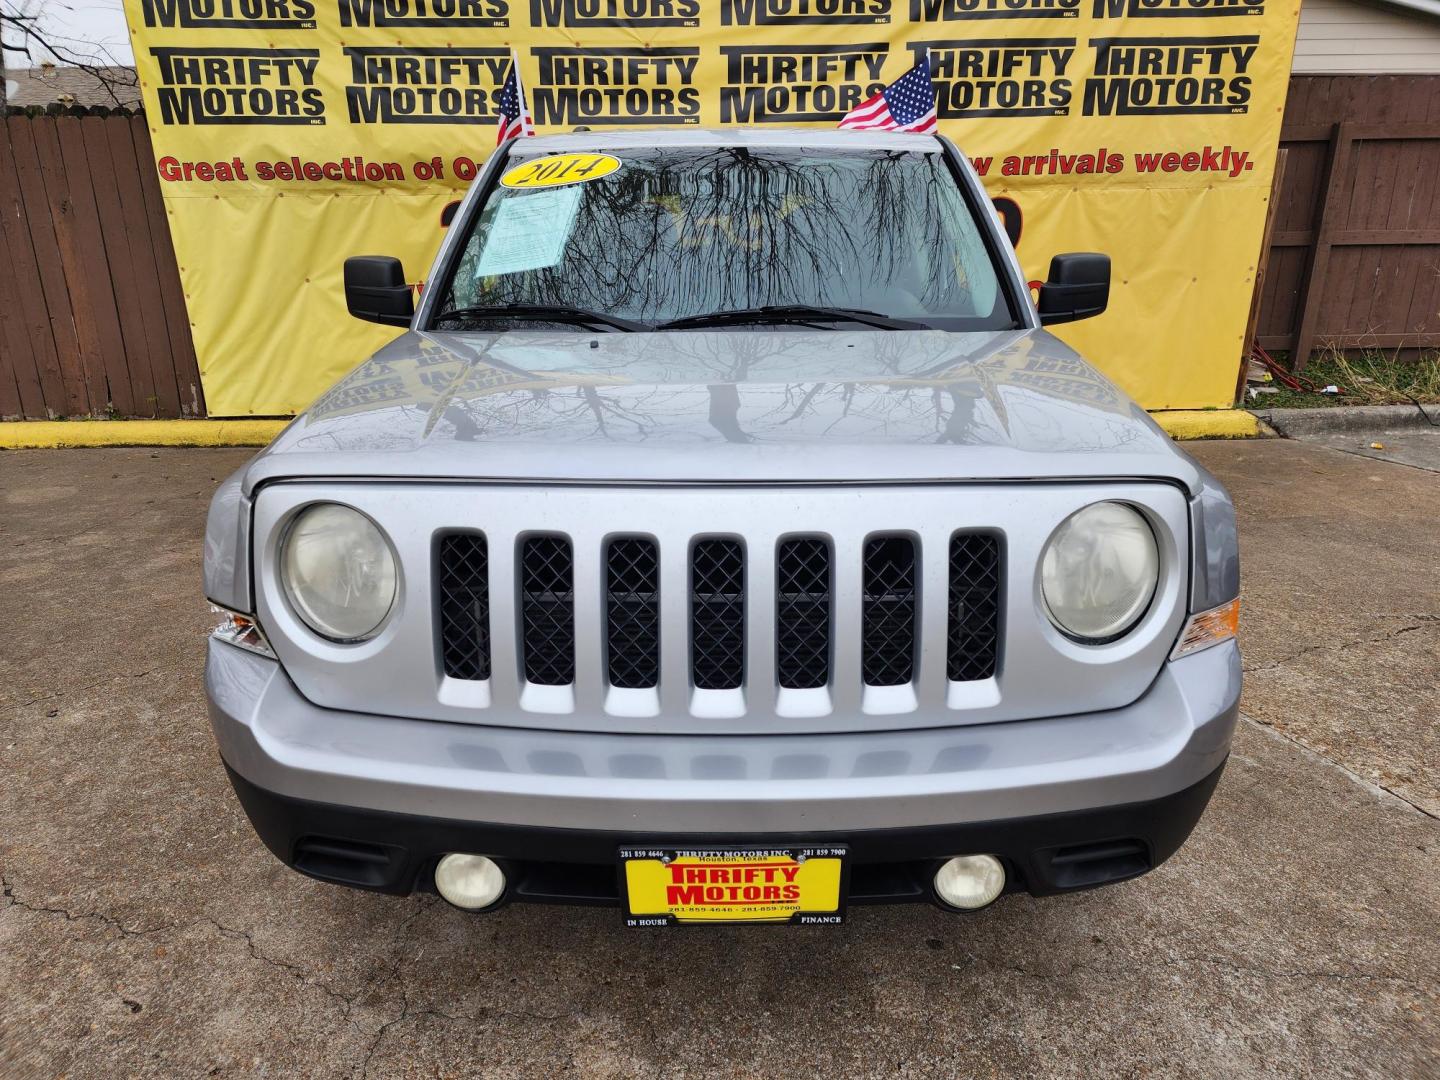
x,y
1312,288
182,344
39,214
1420,277
76,269
1423,307
1368,161
1348,291
117,253
1262,263
1386,306
142,264
1277,311
98,308
14,341
37,367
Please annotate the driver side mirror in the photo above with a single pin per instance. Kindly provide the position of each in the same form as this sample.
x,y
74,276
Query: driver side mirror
x,y
376,290
1078,287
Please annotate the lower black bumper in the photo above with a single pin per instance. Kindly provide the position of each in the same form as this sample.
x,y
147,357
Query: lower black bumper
x,y
396,853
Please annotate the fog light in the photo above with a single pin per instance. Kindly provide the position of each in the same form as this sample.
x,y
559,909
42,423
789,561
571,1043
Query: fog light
x,y
471,882
970,881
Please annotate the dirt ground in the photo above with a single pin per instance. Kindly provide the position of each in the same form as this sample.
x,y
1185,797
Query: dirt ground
x,y
144,931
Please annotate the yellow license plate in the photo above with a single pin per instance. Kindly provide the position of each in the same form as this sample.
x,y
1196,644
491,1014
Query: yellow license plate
x,y
669,886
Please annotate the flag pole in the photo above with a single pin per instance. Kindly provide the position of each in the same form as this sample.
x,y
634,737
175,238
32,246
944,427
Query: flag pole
x,y
526,123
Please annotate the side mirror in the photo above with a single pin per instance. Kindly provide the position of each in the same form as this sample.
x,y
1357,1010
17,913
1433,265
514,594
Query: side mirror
x,y
1078,287
376,290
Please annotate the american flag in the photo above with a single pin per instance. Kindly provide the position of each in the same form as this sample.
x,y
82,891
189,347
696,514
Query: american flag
x,y
514,112
907,104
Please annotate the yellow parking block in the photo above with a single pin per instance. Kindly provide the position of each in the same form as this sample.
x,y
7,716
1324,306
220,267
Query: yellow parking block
x,y
50,434
1210,424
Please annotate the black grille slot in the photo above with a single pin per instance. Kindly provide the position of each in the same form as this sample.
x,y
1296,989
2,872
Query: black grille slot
x,y
802,613
974,607
888,644
464,602
717,614
547,610
632,613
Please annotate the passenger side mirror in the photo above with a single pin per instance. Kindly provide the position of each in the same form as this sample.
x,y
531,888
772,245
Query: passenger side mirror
x,y
1078,287
376,290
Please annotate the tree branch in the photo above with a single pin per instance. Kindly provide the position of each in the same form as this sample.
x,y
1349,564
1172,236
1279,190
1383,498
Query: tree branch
x,y
23,35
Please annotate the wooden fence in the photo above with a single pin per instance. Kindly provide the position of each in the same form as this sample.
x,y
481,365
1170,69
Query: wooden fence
x,y
92,315
1354,259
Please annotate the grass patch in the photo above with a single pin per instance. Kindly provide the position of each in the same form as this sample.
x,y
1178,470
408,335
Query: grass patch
x,y
1373,378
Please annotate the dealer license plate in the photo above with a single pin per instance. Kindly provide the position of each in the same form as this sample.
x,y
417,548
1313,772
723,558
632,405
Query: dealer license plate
x,y
797,885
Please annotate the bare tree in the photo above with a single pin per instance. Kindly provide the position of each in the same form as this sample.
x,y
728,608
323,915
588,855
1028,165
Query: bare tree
x,y
25,40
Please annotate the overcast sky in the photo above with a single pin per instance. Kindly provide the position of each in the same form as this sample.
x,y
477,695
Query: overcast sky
x,y
81,25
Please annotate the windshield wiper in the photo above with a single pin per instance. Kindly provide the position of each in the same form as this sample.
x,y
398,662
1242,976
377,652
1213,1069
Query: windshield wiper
x,y
543,313
789,313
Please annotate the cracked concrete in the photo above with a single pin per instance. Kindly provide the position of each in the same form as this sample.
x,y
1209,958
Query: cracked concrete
x,y
1341,606
144,931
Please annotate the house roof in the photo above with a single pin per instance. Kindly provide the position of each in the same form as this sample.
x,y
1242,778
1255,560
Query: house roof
x,y
1422,7
71,86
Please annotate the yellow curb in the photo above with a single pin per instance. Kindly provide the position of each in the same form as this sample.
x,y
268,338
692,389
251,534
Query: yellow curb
x,y
1210,424
51,434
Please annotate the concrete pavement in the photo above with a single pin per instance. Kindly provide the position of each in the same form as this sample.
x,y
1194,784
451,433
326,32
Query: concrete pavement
x,y
144,931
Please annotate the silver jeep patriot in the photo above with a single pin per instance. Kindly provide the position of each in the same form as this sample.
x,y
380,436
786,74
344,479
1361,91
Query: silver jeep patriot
x,y
724,540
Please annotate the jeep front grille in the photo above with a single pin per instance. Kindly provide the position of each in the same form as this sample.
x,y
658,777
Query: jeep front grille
x,y
721,609
804,583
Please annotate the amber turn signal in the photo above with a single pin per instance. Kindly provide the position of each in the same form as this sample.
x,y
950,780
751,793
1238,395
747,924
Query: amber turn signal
x,y
1208,628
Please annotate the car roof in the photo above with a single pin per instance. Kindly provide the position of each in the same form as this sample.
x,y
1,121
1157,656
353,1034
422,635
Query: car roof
x,y
814,138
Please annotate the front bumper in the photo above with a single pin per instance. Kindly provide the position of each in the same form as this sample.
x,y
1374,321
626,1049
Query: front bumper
x,y
397,853
1067,801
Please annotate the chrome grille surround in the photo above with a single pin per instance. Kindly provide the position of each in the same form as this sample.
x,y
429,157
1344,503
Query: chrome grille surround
x,y
1037,673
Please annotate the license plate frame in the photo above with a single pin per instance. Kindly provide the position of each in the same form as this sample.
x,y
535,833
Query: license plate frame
x,y
648,876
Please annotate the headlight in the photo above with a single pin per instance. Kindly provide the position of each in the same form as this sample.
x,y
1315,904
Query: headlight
x,y
338,571
1099,572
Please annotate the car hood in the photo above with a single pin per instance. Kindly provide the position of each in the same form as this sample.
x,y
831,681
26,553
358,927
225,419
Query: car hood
x,y
778,406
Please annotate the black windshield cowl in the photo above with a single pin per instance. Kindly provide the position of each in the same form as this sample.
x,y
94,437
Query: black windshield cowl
x,y
789,313
541,313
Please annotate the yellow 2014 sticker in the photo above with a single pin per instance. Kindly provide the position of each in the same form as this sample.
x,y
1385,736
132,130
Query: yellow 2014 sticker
x,y
560,169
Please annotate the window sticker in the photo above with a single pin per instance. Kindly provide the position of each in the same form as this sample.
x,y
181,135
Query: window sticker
x,y
560,169
528,232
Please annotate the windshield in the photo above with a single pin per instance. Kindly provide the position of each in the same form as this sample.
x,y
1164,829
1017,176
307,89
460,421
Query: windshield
x,y
680,233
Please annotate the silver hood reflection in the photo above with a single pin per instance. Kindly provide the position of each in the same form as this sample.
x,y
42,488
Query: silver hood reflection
x,y
725,406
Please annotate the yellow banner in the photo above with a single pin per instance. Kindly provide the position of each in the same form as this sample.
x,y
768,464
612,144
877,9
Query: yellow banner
x,y
290,134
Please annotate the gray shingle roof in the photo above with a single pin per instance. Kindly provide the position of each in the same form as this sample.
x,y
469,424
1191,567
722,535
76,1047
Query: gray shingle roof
x,y
71,86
